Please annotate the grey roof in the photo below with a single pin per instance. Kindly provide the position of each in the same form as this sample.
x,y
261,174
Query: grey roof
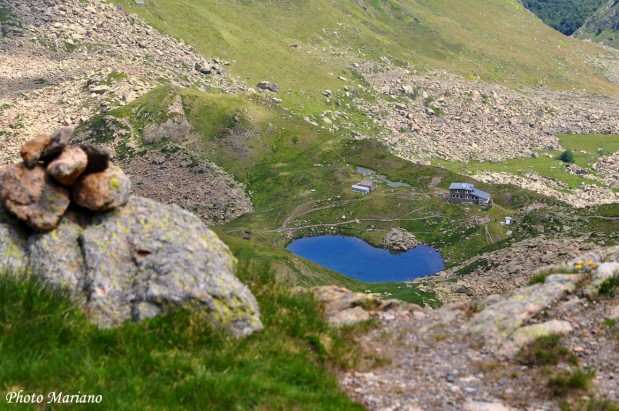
x,y
461,186
481,194
368,183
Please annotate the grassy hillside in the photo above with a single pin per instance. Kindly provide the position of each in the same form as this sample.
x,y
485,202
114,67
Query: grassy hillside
x,y
175,361
563,15
495,40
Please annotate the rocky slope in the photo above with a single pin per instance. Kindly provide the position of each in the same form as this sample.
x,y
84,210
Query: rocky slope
x,y
65,61
502,271
603,25
476,357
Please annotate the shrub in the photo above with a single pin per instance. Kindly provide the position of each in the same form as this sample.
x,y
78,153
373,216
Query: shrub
x,y
567,156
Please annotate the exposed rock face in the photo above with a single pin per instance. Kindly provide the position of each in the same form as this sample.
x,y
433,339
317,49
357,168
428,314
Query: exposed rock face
x,y
498,322
130,263
344,307
602,26
69,165
173,128
32,197
147,254
102,191
398,239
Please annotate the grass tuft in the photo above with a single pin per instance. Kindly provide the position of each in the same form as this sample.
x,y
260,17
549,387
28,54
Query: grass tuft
x,y
577,380
608,288
546,350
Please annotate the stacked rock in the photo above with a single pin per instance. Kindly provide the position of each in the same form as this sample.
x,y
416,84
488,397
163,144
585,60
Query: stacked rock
x,y
39,190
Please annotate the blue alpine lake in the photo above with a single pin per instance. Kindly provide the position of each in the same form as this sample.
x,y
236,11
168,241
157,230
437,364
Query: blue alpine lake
x,y
359,260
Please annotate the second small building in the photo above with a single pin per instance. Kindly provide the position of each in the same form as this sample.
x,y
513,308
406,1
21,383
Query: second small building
x,y
364,187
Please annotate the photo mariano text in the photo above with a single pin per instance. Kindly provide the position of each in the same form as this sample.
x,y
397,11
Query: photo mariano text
x,y
53,397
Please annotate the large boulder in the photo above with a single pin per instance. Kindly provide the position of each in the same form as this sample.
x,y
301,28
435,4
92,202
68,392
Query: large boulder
x,y
13,254
57,256
266,85
132,262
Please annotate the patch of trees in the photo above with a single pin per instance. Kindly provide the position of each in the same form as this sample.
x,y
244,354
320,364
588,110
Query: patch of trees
x,y
563,15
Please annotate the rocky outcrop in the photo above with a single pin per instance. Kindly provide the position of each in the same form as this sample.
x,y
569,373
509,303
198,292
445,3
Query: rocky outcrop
x,y
344,307
128,260
468,356
398,239
131,263
604,22
13,245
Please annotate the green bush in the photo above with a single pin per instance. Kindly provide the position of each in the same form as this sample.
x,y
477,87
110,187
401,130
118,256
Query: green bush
x,y
567,156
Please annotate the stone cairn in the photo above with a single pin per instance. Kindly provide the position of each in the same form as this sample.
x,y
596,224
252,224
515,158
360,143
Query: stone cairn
x,y
40,189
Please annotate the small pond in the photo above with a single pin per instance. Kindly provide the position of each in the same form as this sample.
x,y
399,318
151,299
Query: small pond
x,y
359,260
371,173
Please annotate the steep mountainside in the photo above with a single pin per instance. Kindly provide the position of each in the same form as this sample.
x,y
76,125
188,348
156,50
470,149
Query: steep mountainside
x,y
603,26
564,15
305,45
